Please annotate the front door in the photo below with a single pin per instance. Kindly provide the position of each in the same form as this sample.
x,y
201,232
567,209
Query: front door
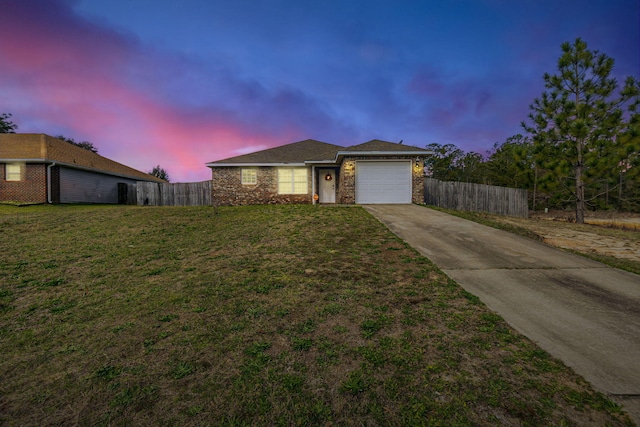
x,y
327,178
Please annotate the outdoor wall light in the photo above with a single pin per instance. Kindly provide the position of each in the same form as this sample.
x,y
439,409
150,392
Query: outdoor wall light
x,y
417,161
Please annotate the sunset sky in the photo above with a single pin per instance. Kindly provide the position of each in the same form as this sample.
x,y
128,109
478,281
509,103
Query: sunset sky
x,y
183,83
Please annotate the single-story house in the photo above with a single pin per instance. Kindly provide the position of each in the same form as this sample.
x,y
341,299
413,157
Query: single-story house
x,y
312,171
38,168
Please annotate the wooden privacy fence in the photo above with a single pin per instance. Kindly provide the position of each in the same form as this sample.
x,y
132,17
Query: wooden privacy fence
x,y
170,194
465,196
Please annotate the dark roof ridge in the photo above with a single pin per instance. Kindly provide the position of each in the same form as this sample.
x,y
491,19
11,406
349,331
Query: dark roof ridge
x,y
380,145
294,152
312,151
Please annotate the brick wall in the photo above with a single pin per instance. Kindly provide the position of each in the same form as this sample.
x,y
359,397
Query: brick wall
x,y
228,189
31,188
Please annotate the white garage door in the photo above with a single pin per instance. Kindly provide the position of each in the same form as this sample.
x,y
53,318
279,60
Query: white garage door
x,y
383,182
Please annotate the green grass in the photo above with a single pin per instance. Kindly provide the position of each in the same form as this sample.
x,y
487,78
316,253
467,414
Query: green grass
x,y
623,264
498,221
263,315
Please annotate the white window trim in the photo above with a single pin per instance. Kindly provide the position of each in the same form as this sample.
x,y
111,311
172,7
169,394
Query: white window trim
x,y
249,176
10,172
291,182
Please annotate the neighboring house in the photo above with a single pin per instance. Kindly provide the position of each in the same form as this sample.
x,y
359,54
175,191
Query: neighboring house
x,y
38,168
310,171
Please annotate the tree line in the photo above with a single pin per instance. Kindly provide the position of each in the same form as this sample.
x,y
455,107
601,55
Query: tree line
x,y
580,146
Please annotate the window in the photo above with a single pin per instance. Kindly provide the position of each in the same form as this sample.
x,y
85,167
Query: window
x,y
249,177
13,171
292,181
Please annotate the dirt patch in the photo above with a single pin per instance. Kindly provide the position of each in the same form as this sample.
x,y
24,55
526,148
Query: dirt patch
x,y
605,233
623,220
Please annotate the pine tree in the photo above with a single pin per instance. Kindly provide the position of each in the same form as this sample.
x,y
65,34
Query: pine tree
x,y
159,172
577,121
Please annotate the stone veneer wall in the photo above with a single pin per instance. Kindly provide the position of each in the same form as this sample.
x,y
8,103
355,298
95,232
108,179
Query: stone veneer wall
x,y
32,188
228,189
347,190
417,173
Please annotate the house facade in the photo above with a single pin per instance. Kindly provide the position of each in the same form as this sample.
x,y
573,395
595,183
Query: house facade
x,y
37,168
317,172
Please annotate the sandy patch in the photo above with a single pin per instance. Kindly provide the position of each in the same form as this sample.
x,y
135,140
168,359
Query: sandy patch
x,y
611,236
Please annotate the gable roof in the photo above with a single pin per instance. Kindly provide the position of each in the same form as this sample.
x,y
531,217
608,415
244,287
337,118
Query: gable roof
x,y
32,147
379,145
295,153
310,151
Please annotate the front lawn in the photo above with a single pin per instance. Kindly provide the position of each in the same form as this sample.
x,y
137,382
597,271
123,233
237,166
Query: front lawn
x,y
263,315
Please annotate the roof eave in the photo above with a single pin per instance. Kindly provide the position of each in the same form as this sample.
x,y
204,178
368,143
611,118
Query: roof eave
x,y
30,160
84,168
335,161
281,164
385,153
321,162
343,153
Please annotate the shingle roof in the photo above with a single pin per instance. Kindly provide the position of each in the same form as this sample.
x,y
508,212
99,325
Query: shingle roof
x,y
378,145
40,147
311,151
297,152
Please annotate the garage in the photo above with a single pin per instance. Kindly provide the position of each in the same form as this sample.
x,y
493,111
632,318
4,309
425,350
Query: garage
x,y
383,182
83,186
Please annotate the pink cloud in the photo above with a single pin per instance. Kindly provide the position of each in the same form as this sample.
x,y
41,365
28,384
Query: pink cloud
x,y
89,82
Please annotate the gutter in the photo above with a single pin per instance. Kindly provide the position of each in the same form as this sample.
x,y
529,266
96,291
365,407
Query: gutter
x,y
313,185
106,172
89,169
339,155
279,164
49,195
343,153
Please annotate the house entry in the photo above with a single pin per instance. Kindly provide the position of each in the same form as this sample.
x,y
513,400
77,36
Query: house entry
x,y
327,187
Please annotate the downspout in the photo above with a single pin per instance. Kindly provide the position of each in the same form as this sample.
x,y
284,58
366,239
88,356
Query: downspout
x,y
49,196
313,184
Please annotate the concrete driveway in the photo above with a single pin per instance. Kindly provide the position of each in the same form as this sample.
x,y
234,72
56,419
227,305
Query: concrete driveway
x,y
580,311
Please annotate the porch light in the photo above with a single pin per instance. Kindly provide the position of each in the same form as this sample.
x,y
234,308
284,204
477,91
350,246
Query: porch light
x,y
417,161
328,177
